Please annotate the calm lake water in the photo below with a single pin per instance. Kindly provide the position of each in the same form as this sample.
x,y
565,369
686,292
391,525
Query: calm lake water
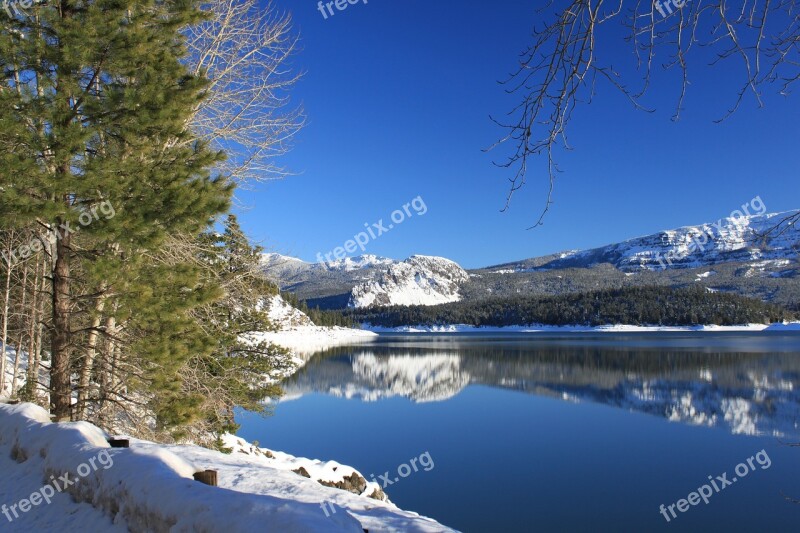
x,y
577,432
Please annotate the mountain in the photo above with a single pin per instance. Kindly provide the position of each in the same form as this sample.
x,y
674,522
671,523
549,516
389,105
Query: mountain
x,y
283,267
745,255
741,239
419,280
359,262
368,279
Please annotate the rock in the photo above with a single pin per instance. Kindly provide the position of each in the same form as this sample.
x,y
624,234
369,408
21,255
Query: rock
x,y
302,471
352,483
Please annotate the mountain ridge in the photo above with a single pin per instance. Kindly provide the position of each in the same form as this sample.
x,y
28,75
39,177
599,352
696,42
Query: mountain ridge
x,y
736,254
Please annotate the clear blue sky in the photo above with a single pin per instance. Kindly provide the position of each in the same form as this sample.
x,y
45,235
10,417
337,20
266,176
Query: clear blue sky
x,y
398,95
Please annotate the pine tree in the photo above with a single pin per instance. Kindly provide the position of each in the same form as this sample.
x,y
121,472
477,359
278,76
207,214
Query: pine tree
x,y
238,371
93,120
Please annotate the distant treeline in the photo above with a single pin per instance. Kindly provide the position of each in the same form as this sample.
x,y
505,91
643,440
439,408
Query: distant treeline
x,y
319,317
662,306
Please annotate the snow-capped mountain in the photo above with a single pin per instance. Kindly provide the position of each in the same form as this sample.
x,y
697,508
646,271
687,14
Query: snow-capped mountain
x,y
369,280
419,280
283,266
756,256
359,262
742,239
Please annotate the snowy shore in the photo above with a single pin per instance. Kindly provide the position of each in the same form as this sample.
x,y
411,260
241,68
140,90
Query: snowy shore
x,y
610,328
304,341
149,487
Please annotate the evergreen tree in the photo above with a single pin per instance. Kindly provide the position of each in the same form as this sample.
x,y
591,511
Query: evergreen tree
x,y
93,120
239,371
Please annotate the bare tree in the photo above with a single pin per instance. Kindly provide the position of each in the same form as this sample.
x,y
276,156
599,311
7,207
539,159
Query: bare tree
x,y
9,241
561,68
244,50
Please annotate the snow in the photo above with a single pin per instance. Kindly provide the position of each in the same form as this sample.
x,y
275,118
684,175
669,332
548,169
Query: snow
x,y
304,341
744,238
282,314
609,328
298,334
287,264
10,354
419,280
150,486
358,262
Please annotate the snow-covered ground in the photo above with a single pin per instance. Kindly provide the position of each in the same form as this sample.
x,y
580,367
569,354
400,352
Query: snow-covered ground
x,y
10,355
149,487
611,328
304,341
298,334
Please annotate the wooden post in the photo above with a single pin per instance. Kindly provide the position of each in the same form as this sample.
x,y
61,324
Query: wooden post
x,y
208,477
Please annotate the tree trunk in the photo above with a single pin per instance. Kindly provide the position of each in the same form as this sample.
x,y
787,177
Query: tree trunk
x,y
20,341
30,379
87,365
107,372
6,305
37,351
60,342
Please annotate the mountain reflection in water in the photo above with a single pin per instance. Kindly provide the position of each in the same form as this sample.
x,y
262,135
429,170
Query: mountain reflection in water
x,y
743,388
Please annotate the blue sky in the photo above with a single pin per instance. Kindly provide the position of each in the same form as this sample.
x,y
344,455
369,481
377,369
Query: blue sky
x,y
398,95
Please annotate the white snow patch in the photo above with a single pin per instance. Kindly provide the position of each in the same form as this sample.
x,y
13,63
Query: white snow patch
x,y
419,280
610,328
150,486
304,341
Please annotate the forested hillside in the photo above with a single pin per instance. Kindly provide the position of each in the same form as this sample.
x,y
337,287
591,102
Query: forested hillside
x,y
639,306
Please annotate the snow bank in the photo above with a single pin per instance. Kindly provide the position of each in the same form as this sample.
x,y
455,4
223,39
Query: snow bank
x,y
304,341
284,315
610,328
149,487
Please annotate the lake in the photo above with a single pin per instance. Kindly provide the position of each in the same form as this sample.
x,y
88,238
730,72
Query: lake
x,y
567,432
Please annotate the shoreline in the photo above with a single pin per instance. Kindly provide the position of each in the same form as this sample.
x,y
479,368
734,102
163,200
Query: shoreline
x,y
609,328
151,485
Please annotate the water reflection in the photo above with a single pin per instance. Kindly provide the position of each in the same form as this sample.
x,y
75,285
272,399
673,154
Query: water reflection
x,y
747,389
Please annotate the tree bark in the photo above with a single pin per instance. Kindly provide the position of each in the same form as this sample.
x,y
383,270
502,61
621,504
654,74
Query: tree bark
x,y
87,365
6,304
31,378
60,343
21,338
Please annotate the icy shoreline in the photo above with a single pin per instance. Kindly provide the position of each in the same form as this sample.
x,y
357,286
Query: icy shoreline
x,y
610,328
149,487
304,341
